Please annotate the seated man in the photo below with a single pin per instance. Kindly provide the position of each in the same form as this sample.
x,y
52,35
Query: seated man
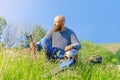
x,y
58,41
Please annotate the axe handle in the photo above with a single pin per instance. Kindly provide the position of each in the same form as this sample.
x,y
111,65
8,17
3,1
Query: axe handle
x,y
33,46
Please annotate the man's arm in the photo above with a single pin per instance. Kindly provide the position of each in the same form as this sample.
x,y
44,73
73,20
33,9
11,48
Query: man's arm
x,y
75,43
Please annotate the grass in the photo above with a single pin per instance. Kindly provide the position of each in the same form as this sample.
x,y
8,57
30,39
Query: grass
x,y
20,64
113,47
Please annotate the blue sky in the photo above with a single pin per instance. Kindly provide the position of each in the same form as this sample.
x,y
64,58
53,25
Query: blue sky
x,y
94,20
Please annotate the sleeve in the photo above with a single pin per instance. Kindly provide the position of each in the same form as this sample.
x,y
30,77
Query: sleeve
x,y
75,43
49,35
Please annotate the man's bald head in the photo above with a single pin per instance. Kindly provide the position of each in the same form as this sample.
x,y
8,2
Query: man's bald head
x,y
60,18
59,23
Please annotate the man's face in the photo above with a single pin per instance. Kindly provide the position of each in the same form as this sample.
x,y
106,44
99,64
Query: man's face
x,y
57,25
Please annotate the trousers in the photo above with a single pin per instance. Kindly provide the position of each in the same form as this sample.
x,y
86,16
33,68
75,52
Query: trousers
x,y
53,52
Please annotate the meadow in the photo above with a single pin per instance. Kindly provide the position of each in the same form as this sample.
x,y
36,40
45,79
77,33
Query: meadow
x,y
20,64
113,47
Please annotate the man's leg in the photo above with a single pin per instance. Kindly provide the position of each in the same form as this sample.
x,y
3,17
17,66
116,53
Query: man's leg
x,y
38,46
45,44
58,53
66,63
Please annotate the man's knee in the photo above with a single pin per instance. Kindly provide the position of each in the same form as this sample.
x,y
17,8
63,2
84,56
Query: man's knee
x,y
46,45
44,42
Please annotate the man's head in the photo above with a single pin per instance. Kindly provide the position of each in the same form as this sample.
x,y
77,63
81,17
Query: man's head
x,y
59,23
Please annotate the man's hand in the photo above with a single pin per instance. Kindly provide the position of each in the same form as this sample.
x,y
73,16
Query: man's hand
x,y
67,48
32,45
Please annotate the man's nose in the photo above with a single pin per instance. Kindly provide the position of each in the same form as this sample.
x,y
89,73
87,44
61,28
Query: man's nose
x,y
55,24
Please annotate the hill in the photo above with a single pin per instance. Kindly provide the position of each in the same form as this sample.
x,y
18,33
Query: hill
x,y
113,47
20,64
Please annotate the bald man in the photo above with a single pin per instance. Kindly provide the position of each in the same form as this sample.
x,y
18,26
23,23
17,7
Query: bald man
x,y
59,40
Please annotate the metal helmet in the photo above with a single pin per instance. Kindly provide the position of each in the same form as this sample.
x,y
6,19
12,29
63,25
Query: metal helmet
x,y
71,54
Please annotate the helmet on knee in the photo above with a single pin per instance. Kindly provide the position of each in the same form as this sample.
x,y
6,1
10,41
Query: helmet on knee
x,y
71,54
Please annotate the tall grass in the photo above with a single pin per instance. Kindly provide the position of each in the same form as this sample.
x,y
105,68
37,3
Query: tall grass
x,y
20,64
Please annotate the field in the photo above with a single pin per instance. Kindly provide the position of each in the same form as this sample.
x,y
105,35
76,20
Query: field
x,y
20,64
112,47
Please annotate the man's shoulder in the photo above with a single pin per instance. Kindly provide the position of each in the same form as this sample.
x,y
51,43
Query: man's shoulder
x,y
69,30
50,30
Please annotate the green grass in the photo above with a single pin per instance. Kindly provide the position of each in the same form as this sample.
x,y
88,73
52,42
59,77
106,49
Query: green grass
x,y
19,64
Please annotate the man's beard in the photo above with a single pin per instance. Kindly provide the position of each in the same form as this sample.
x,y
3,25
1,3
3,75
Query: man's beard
x,y
57,28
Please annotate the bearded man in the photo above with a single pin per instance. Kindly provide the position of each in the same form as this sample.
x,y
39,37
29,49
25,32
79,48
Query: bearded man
x,y
60,40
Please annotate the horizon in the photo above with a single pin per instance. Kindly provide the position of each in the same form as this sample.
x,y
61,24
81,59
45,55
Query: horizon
x,y
95,21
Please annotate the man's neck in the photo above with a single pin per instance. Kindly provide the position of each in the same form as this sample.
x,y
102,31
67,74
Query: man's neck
x,y
63,28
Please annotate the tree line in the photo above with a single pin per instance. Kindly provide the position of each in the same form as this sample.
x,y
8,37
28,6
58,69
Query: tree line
x,y
15,36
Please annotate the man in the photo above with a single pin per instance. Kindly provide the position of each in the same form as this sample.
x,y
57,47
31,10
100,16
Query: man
x,y
59,41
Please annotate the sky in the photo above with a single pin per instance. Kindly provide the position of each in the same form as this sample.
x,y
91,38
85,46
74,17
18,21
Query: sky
x,y
97,21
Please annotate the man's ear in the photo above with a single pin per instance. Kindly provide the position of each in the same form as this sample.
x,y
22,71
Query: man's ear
x,y
62,23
